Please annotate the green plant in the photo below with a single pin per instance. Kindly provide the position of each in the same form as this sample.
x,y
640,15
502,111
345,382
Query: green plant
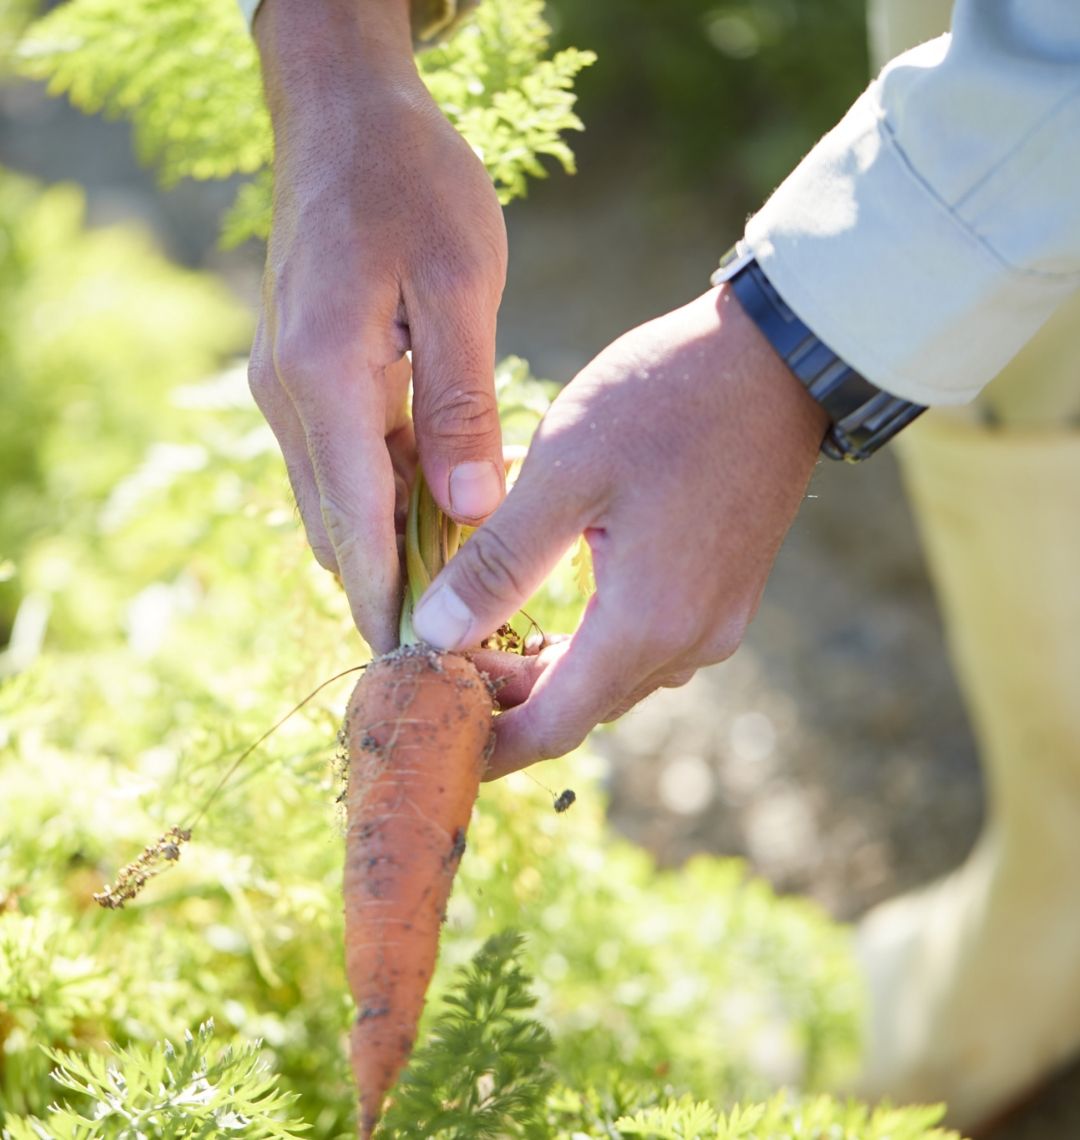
x,y
719,98
96,329
185,613
198,1090
159,666
186,74
819,1118
485,1072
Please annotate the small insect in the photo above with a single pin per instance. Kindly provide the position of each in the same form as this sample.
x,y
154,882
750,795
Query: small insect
x,y
564,800
560,802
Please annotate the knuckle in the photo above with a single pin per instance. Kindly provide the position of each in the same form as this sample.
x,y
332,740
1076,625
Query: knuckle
x,y
458,415
465,276
677,679
293,356
262,382
624,706
475,268
492,570
308,352
324,553
725,640
340,521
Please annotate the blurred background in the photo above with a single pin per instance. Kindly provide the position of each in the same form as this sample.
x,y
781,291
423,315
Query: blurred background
x,y
832,751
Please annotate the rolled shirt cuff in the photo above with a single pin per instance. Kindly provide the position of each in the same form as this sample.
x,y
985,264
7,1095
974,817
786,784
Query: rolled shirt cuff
x,y
877,264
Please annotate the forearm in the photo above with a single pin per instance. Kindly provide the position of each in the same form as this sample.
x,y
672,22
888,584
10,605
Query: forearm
x,y
314,53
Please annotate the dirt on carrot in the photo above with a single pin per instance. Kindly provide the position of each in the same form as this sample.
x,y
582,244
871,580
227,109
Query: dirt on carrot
x,y
419,731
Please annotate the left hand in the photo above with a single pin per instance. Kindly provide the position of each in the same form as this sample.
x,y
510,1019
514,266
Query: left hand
x,y
682,452
387,233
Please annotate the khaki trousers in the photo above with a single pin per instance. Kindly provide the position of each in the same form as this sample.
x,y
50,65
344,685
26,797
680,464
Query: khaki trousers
x,y
974,982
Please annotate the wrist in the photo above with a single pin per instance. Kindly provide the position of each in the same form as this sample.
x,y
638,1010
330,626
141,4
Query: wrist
x,y
319,55
770,388
861,417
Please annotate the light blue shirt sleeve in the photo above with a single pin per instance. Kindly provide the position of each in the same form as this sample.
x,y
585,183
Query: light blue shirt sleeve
x,y
249,8
927,237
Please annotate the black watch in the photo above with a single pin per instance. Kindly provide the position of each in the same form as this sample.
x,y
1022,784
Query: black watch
x,y
862,416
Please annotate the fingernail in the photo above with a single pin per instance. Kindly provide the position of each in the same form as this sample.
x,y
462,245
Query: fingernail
x,y
475,489
442,619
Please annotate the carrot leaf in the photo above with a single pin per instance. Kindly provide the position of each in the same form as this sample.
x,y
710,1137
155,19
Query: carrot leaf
x,y
196,1089
483,1070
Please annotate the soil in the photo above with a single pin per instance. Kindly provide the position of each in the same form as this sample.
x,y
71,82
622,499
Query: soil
x,y
832,752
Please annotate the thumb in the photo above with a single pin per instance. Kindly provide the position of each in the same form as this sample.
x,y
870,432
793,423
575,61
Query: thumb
x,y
454,409
500,567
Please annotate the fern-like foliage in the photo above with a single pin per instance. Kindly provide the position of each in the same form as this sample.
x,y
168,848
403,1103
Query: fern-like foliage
x,y
161,1091
14,16
510,103
821,1118
47,986
482,1071
185,73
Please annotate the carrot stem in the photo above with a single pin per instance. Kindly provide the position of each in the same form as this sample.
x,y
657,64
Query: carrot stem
x,y
431,540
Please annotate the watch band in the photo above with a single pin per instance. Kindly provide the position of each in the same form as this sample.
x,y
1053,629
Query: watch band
x,y
862,416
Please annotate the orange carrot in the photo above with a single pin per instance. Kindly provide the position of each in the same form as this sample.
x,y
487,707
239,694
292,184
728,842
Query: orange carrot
x,y
419,732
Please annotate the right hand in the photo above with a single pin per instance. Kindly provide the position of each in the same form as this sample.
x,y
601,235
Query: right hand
x,y
387,235
682,453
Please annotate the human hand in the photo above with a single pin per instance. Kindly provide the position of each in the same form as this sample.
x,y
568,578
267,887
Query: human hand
x,y
387,234
682,452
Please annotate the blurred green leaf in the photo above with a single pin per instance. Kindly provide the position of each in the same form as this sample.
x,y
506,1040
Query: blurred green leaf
x,y
185,72
721,98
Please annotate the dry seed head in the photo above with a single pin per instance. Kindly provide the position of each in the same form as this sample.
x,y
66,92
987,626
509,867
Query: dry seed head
x,y
154,859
